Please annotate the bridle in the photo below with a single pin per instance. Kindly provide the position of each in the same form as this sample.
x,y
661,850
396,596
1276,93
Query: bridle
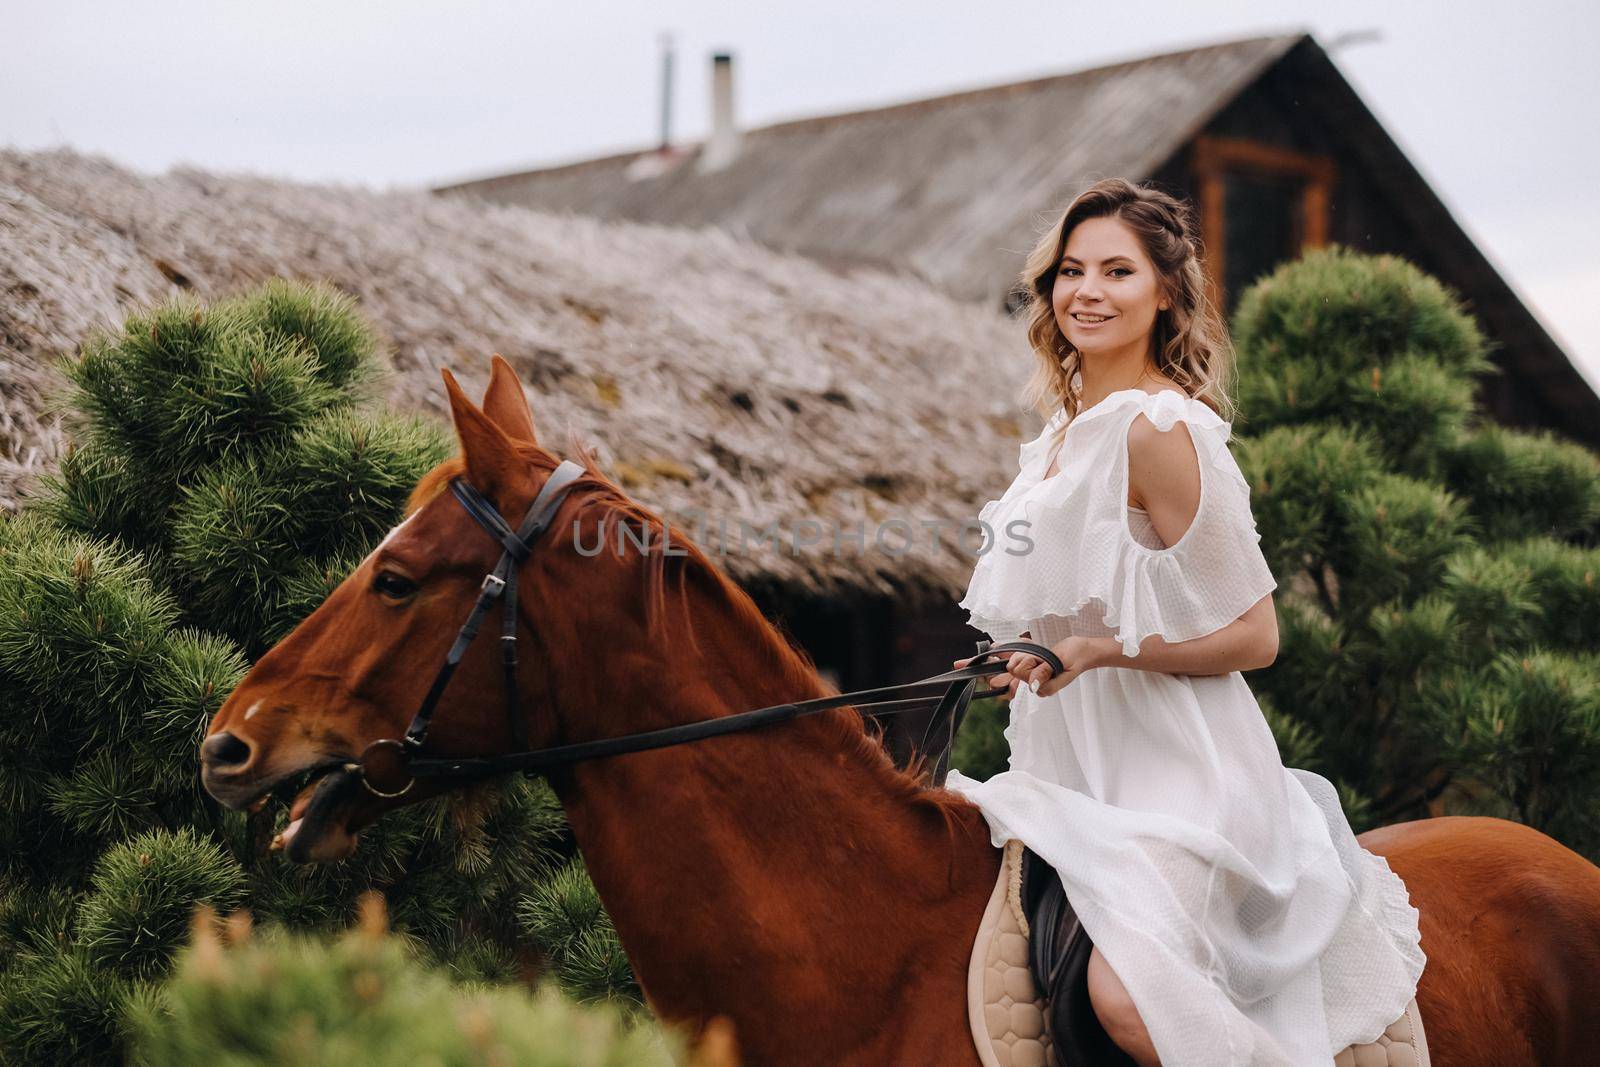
x,y
391,766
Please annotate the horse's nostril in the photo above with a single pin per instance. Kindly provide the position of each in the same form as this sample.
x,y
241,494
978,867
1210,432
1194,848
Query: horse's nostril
x,y
224,751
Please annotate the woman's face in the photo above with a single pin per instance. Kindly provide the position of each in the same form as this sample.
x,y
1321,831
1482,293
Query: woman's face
x,y
1107,292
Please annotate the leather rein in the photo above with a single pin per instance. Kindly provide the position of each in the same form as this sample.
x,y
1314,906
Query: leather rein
x,y
391,766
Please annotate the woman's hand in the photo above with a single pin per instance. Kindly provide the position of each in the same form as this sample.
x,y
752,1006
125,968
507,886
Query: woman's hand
x,y
1077,655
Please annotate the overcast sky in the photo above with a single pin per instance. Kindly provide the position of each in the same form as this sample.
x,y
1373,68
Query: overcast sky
x,y
1495,103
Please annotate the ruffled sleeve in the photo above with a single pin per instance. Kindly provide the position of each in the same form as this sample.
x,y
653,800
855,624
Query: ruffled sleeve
x,y
1062,549
1032,459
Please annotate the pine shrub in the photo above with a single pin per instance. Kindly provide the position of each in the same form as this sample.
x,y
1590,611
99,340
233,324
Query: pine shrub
x,y
564,917
228,470
144,891
1413,579
103,696
59,1008
273,999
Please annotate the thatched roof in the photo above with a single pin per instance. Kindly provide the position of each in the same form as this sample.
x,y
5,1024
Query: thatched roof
x,y
711,372
951,186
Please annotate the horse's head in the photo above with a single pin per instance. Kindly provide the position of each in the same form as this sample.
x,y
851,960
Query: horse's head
x,y
358,667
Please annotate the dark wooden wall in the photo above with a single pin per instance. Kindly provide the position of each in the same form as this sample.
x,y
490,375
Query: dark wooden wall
x,y
1293,106
873,640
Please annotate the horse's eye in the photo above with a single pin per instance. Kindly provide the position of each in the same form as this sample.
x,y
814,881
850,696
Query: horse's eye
x,y
392,585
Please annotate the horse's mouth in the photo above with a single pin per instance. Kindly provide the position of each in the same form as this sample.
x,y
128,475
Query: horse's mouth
x,y
324,817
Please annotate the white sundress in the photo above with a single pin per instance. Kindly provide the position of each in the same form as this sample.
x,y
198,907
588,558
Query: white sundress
x,y
1226,891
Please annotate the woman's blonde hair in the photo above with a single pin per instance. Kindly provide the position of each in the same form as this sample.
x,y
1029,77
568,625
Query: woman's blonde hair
x,y
1191,340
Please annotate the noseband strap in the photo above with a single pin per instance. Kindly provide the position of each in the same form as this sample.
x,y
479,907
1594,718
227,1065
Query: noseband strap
x,y
389,767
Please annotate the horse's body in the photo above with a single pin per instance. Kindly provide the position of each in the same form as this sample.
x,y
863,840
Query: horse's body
x,y
791,878
1511,927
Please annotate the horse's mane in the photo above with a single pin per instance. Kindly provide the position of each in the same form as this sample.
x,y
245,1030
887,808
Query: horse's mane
x,y
793,668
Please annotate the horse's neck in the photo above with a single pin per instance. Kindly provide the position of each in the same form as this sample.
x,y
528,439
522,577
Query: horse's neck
x,y
742,868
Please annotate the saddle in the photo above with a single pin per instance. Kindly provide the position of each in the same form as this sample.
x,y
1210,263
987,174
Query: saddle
x,y
1058,959
1030,940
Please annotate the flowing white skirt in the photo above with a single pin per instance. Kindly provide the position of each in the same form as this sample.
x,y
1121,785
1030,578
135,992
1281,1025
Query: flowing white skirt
x,y
1226,891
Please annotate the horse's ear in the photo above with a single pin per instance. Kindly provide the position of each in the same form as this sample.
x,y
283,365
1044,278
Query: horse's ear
x,y
491,456
505,403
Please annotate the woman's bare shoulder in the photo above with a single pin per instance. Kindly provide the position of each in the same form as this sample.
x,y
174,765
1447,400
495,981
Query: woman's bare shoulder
x,y
1163,469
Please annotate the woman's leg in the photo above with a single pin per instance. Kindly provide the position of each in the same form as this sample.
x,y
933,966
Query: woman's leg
x,y
1115,1010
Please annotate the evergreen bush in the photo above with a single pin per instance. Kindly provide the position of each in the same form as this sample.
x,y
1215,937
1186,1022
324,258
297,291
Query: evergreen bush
x,y
564,918
144,891
228,470
276,1000
1453,673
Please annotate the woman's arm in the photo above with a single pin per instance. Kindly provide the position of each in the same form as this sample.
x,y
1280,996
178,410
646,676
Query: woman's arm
x,y
1164,479
1246,644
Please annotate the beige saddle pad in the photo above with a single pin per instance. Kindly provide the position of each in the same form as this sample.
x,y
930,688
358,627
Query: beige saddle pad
x,y
1007,1015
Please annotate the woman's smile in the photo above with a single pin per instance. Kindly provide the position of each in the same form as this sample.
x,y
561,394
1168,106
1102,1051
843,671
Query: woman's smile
x,y
1089,319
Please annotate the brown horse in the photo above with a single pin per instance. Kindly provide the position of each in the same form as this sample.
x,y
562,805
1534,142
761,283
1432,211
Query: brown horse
x,y
790,878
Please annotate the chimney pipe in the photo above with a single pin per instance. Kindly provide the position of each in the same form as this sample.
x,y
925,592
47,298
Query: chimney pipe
x,y
722,147
666,91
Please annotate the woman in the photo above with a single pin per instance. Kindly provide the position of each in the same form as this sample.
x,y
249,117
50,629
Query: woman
x,y
1235,919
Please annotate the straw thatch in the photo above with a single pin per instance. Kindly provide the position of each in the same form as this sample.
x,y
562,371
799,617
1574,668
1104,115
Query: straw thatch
x,y
710,372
